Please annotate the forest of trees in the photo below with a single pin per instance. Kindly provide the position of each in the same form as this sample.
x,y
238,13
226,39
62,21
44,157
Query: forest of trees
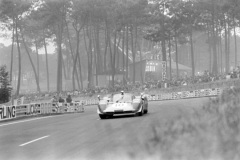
x,y
93,30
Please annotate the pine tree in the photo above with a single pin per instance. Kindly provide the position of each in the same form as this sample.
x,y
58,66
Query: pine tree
x,y
5,90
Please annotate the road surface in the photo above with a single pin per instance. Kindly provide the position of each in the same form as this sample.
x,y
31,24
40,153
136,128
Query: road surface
x,y
84,135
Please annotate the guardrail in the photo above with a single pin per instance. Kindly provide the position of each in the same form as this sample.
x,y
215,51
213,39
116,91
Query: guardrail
x,y
185,94
223,84
11,112
160,96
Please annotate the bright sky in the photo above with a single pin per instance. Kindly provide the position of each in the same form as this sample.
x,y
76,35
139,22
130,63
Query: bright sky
x,y
50,47
4,41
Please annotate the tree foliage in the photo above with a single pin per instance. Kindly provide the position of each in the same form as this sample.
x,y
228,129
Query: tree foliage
x,y
87,33
5,90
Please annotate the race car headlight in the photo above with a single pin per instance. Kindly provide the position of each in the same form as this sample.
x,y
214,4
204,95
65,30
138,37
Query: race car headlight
x,y
135,105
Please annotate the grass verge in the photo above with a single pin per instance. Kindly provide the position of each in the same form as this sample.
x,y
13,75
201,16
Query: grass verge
x,y
209,133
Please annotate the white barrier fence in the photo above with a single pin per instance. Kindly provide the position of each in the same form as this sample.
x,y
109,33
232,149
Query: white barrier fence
x,y
185,94
7,112
173,95
11,112
16,111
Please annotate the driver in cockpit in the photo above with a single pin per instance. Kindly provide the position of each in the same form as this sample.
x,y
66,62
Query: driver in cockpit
x,y
122,95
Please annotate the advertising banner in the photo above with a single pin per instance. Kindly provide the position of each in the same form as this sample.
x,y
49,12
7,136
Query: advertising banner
x,y
185,94
70,107
7,112
42,110
49,108
55,107
33,109
79,107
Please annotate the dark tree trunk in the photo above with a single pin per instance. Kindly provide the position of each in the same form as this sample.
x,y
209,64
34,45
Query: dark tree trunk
x,y
11,64
19,60
36,47
77,78
221,53
32,64
117,52
170,57
141,66
113,55
89,55
226,47
235,42
105,52
59,67
127,63
99,65
134,49
47,68
123,49
64,69
192,54
95,64
133,55
59,57
214,67
72,55
176,52
209,47
75,62
80,71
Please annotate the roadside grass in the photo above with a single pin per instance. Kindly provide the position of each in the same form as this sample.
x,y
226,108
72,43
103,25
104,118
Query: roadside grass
x,y
209,133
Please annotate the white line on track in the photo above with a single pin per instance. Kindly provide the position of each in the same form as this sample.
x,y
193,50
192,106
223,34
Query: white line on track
x,y
26,120
33,141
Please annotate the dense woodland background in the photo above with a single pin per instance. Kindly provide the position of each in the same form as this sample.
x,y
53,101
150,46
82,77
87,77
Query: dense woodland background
x,y
95,36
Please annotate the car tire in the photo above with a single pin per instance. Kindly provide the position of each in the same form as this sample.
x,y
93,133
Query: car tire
x,y
141,113
102,116
145,111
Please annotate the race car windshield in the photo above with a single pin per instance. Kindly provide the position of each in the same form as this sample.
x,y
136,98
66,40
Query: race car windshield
x,y
122,98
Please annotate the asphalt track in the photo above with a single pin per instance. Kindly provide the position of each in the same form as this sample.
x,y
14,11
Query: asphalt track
x,y
84,135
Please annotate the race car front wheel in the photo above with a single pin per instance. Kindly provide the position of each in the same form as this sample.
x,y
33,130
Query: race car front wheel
x,y
102,116
145,111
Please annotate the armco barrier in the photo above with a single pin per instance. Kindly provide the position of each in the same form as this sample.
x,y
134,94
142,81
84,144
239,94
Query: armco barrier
x,y
10,112
7,112
44,108
160,96
33,109
185,94
79,107
68,107
21,110
223,84
88,102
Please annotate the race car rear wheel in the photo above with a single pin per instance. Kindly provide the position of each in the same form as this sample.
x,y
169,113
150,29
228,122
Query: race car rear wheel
x,y
102,116
141,113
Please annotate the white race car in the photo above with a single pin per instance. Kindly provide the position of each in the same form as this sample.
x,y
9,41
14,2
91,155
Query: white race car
x,y
122,104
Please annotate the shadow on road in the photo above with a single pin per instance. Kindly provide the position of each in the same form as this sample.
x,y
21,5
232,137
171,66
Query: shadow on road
x,y
125,116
